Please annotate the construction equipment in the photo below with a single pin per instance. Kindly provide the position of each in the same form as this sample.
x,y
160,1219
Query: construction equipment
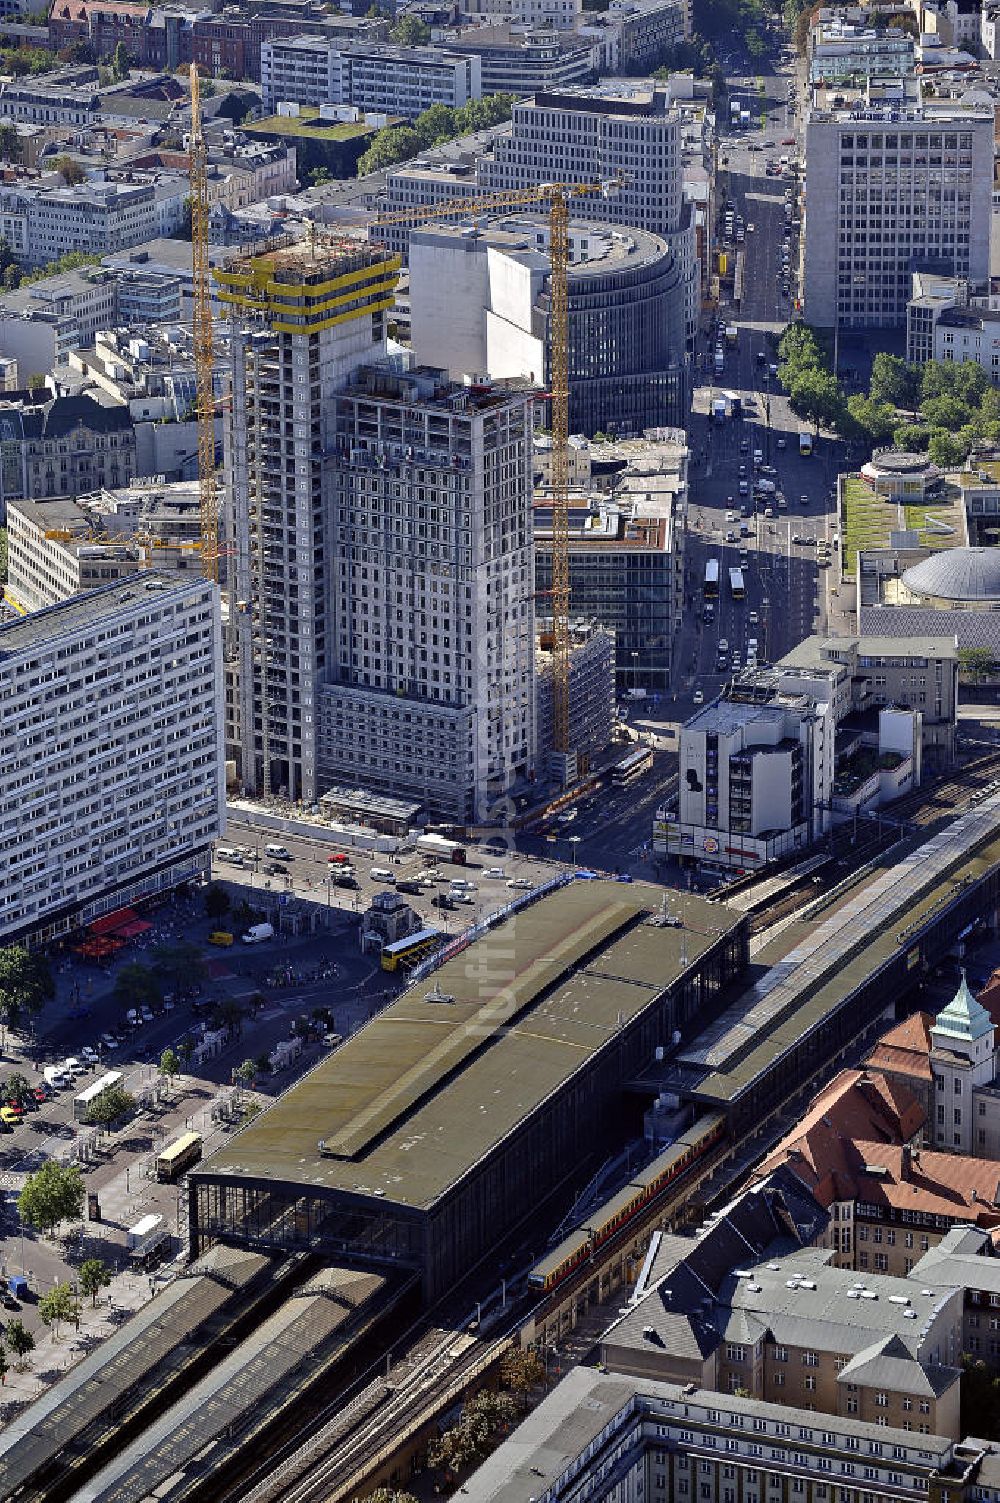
x,y
99,538
557,197
204,359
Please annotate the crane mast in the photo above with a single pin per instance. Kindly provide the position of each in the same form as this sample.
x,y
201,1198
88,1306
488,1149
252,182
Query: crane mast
x,y
204,362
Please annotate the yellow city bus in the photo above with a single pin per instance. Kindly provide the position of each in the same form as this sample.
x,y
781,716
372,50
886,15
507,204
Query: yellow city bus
x,y
178,1157
407,952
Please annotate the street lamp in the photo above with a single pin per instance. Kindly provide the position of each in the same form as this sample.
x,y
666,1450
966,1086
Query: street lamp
x,y
574,841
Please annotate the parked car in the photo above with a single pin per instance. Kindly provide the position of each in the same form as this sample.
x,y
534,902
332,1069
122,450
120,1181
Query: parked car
x,y
10,1116
91,1056
496,873
520,883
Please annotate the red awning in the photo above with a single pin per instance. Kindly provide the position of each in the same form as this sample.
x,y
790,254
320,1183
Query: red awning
x,y
133,927
111,923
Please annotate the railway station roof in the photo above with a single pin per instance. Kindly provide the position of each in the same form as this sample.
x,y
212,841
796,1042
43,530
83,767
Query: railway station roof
x,y
415,1099
818,961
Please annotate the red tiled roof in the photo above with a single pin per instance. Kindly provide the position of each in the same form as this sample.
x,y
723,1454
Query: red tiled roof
x,y
906,1048
856,1105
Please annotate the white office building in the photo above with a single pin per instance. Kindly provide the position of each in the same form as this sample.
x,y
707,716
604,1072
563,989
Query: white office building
x,y
41,223
373,77
112,781
381,527
756,775
894,183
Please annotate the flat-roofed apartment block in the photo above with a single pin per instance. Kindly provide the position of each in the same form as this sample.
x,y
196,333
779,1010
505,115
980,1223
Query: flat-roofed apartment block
x,y
382,540
112,783
601,1436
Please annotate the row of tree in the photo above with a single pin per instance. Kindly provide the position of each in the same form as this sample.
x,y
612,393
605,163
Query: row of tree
x,y
398,143
943,407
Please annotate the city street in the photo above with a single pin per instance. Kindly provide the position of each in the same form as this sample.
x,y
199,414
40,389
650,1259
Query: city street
x,y
786,589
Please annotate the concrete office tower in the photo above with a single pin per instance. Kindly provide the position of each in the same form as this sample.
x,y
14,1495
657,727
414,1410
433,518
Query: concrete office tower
x,y
112,780
381,528
430,685
894,183
598,135
480,301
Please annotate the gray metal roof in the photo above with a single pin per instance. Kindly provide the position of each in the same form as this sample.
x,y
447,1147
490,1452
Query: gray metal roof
x,y
957,574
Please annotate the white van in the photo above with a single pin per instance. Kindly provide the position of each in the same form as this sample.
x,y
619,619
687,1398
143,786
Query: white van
x,y
258,933
382,874
281,852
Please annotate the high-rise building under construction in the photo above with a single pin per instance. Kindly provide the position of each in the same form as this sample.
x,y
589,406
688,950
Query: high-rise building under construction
x,y
379,522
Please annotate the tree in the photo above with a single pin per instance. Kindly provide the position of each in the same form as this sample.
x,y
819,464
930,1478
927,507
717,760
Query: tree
x,y
36,380
229,1014
320,175
975,664
815,394
913,436
4,1364
262,1064
9,141
181,965
246,1073
56,1306
435,124
120,61
26,983
876,420
18,1088
108,1106
393,144
521,1371
217,901
52,1194
20,1340
410,31
170,1065
185,1051
69,170
944,412
893,381
95,1275
944,449
137,986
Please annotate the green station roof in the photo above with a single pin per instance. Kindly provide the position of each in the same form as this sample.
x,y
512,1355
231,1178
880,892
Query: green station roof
x,y
424,1091
846,973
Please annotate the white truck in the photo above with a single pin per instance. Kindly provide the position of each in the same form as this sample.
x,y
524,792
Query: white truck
x,y
720,363
258,933
718,409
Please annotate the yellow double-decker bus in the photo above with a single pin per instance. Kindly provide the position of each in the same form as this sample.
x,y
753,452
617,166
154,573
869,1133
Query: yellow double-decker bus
x,y
178,1158
409,951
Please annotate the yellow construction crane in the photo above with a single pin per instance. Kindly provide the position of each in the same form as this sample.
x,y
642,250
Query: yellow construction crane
x,y
557,197
204,361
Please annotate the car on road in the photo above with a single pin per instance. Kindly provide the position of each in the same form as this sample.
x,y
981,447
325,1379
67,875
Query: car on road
x,y
442,900
744,487
731,515
750,229
754,618
495,872
782,443
9,1117
346,879
723,644
804,499
110,1040
698,697
520,884
769,511
90,1054
745,446
788,140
